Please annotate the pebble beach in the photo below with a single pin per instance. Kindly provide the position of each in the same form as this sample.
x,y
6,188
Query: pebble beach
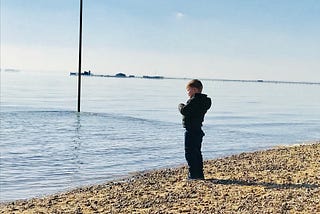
x,y
278,180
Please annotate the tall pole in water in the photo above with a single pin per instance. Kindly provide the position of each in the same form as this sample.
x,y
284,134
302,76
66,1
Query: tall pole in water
x,y
79,66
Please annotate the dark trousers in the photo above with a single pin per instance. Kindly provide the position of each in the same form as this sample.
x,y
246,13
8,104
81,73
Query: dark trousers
x,y
192,146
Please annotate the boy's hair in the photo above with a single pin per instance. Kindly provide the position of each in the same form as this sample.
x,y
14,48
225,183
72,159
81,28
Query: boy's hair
x,y
195,83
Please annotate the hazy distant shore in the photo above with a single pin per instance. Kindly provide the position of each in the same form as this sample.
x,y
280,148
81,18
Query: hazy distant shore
x,y
122,75
283,179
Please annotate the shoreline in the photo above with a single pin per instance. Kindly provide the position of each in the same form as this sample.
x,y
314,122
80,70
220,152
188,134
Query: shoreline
x,y
124,76
281,179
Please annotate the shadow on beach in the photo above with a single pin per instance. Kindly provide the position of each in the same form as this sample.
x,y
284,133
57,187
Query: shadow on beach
x,y
265,184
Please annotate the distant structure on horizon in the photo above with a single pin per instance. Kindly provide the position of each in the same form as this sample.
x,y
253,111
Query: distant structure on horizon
x,y
118,75
153,77
123,75
85,73
9,70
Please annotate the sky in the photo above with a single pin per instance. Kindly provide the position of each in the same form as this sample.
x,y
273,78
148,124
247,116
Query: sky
x,y
223,39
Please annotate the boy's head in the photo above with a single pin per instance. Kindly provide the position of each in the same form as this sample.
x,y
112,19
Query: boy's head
x,y
193,87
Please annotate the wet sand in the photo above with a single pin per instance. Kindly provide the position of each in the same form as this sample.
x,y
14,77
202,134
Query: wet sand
x,y
279,180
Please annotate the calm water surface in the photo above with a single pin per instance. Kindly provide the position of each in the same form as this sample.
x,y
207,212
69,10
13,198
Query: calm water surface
x,y
129,125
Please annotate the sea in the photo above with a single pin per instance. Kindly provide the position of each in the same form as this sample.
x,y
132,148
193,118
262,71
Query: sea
x,y
129,125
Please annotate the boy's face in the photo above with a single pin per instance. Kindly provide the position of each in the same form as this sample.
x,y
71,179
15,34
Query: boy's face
x,y
191,91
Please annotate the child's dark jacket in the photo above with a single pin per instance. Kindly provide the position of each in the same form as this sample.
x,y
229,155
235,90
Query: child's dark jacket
x,y
194,110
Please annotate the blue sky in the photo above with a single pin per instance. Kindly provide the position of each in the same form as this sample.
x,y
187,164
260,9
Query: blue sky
x,y
249,39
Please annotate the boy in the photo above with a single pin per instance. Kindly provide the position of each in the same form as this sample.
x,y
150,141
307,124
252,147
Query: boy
x,y
193,114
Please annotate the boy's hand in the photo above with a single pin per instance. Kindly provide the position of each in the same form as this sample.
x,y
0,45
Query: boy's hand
x,y
181,105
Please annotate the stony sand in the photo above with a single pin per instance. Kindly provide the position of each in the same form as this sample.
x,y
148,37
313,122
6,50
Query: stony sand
x,y
279,180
